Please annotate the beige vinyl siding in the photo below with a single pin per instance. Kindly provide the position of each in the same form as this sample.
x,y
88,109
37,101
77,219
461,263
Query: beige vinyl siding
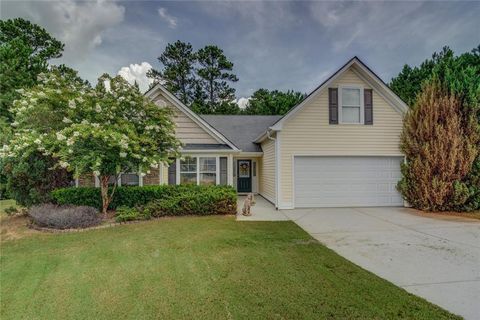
x,y
190,132
187,131
309,133
164,174
267,170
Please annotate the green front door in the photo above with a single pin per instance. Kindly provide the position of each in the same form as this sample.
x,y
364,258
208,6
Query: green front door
x,y
244,176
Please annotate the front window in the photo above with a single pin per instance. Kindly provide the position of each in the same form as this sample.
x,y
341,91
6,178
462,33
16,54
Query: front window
x,y
199,170
208,171
112,180
129,179
351,105
188,171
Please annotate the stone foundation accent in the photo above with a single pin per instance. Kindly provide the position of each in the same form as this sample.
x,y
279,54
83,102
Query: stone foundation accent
x,y
86,180
152,178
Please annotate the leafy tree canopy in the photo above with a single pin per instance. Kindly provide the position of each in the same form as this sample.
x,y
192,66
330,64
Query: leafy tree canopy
x,y
273,102
441,146
445,75
450,70
109,129
25,49
44,46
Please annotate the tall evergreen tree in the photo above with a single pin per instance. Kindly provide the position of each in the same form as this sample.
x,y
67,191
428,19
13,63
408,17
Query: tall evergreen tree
x,y
177,76
408,83
457,76
441,146
25,49
214,77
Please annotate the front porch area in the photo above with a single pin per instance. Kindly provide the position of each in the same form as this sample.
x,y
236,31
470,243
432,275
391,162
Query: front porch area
x,y
263,210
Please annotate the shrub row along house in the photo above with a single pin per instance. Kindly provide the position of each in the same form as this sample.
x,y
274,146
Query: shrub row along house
x,y
339,147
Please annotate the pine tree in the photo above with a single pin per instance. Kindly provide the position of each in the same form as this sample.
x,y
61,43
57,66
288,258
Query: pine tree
x,y
25,49
214,77
177,76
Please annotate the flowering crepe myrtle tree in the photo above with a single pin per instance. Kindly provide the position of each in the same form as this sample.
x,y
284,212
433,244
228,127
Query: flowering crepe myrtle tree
x,y
108,130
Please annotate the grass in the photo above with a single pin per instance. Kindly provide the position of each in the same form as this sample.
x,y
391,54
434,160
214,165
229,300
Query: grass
x,y
4,204
194,267
12,227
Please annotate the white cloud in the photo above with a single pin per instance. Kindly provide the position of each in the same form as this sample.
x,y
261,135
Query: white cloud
x,y
171,20
137,72
242,102
79,25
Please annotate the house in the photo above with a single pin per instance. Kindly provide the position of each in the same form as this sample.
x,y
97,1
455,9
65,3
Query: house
x,y
339,147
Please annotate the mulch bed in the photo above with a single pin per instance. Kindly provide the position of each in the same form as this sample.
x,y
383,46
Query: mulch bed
x,y
106,224
448,215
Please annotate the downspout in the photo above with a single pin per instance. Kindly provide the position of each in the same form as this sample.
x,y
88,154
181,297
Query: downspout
x,y
276,167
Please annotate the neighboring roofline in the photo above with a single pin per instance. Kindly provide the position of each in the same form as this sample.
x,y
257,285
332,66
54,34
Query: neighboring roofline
x,y
377,83
192,115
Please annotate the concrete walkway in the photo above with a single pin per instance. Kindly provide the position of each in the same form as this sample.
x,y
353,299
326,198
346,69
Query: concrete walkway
x,y
263,210
437,259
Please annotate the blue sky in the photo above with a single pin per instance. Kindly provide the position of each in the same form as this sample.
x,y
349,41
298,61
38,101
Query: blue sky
x,y
275,45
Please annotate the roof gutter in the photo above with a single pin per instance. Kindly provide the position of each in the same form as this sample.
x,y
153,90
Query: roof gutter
x,y
265,135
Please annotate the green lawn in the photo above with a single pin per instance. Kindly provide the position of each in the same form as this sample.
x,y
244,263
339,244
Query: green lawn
x,y
194,268
4,204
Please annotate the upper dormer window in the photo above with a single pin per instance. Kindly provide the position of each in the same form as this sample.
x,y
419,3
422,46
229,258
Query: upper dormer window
x,y
351,104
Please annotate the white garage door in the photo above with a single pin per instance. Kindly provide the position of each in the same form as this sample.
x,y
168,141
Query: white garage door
x,y
347,181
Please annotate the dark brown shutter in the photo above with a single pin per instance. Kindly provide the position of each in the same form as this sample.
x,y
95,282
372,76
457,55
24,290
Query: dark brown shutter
x,y
368,105
172,173
333,105
223,171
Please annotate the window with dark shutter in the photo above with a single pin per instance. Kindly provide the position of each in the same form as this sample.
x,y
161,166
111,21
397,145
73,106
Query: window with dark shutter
x,y
130,179
332,105
368,105
172,173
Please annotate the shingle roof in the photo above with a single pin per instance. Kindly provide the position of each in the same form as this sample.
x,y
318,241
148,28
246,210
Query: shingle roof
x,y
241,130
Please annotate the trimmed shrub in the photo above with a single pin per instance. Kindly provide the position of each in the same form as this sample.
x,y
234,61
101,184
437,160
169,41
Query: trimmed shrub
x,y
131,196
206,201
64,217
30,180
124,214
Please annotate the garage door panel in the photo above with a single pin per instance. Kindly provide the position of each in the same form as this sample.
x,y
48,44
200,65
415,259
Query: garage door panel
x,y
347,181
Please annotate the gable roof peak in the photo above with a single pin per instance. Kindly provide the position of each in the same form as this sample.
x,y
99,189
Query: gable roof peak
x,y
189,113
362,71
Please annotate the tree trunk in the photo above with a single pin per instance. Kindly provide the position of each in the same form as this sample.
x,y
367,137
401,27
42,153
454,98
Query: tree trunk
x,y
107,198
211,94
104,192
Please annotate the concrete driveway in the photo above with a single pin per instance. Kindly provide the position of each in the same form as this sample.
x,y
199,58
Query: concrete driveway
x,y
437,259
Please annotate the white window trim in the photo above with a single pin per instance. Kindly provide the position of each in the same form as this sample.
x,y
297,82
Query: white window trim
x,y
198,156
217,160
340,104
197,167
